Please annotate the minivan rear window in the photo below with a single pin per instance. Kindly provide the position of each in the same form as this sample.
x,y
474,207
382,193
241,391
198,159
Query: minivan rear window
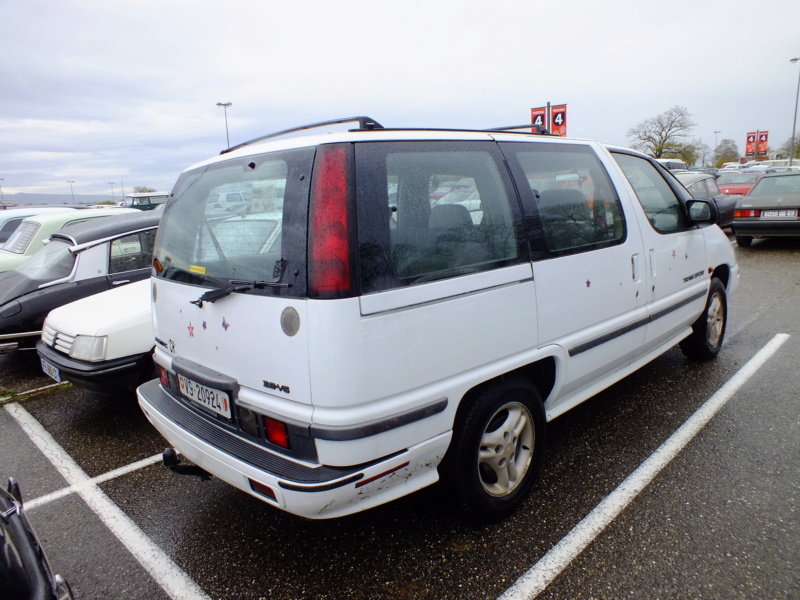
x,y
239,220
432,210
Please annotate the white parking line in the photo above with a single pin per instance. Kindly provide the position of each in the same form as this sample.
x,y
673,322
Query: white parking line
x,y
11,398
41,500
161,568
532,583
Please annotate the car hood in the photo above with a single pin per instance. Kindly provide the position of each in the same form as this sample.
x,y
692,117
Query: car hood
x,y
14,284
122,308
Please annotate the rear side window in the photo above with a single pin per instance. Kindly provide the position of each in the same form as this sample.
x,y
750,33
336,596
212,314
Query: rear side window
x,y
430,211
8,228
570,191
132,252
699,189
19,240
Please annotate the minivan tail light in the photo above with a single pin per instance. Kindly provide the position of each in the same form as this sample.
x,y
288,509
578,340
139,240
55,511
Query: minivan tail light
x,y
162,375
330,223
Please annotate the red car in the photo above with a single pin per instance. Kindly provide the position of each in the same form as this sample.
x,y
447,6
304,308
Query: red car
x,y
738,183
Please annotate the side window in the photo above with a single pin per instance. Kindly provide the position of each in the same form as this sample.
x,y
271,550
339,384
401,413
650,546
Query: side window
x,y
698,189
713,188
577,205
431,210
131,252
8,228
662,207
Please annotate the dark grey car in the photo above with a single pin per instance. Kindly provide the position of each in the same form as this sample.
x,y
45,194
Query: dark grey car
x,y
704,186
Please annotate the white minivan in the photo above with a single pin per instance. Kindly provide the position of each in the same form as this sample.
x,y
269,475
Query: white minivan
x,y
357,339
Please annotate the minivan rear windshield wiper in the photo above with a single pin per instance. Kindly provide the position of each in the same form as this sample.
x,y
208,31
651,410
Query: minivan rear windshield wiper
x,y
236,285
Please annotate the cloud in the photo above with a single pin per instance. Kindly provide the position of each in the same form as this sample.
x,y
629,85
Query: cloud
x,y
105,91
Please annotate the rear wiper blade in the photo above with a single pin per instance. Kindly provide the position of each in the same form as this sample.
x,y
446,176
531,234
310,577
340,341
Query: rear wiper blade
x,y
236,285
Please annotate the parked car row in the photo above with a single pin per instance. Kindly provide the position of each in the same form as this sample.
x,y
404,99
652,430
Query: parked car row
x,y
79,260
32,232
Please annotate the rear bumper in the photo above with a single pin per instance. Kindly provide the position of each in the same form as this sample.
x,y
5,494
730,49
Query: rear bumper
x,y
306,489
764,228
106,378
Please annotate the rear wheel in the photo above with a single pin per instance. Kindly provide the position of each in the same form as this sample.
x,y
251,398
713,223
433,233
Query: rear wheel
x,y
496,452
744,240
708,331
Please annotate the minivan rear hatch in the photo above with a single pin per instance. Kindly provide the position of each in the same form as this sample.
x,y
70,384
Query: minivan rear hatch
x,y
230,278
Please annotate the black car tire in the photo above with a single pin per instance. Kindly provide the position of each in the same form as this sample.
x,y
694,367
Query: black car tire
x,y
708,331
496,452
744,240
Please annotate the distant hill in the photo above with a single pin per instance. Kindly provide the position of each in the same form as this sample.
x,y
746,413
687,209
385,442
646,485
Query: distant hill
x,y
24,199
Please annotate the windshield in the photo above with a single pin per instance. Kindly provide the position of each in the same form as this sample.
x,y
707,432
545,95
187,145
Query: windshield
x,y
54,261
241,220
770,186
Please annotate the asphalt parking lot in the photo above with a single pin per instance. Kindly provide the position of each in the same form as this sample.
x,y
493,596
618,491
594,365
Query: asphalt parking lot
x,y
712,516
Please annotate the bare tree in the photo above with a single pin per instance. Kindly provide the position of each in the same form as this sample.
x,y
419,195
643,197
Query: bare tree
x,y
727,151
662,136
790,146
142,189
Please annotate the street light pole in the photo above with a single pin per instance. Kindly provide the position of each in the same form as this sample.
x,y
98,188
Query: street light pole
x,y
714,155
71,191
113,199
794,122
2,199
225,106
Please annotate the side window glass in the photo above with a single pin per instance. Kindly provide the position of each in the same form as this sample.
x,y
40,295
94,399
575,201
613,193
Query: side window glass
x,y
448,212
661,205
131,252
713,188
577,205
698,189
8,228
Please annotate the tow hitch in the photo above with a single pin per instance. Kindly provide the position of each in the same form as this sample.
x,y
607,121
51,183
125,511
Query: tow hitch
x,y
171,460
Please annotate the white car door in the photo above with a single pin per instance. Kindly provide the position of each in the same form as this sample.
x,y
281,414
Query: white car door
x,y
677,273
590,280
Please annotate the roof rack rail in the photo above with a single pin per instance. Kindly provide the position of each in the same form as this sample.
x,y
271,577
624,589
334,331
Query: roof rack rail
x,y
537,128
363,124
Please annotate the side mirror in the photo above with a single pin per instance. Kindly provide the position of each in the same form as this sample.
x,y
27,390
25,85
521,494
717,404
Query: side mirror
x,y
702,212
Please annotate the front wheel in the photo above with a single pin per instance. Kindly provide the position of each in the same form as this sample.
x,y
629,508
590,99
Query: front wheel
x,y
708,331
496,452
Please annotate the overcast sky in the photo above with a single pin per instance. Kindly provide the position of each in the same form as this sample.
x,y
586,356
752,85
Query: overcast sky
x,y
125,91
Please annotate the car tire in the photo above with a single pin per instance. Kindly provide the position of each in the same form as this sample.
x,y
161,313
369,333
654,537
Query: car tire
x,y
744,240
708,332
496,452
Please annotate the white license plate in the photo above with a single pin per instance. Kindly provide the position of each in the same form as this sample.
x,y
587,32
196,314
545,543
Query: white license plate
x,y
51,370
779,214
213,399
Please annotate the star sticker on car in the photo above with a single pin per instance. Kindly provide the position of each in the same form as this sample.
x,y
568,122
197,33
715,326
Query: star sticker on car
x,y
191,329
